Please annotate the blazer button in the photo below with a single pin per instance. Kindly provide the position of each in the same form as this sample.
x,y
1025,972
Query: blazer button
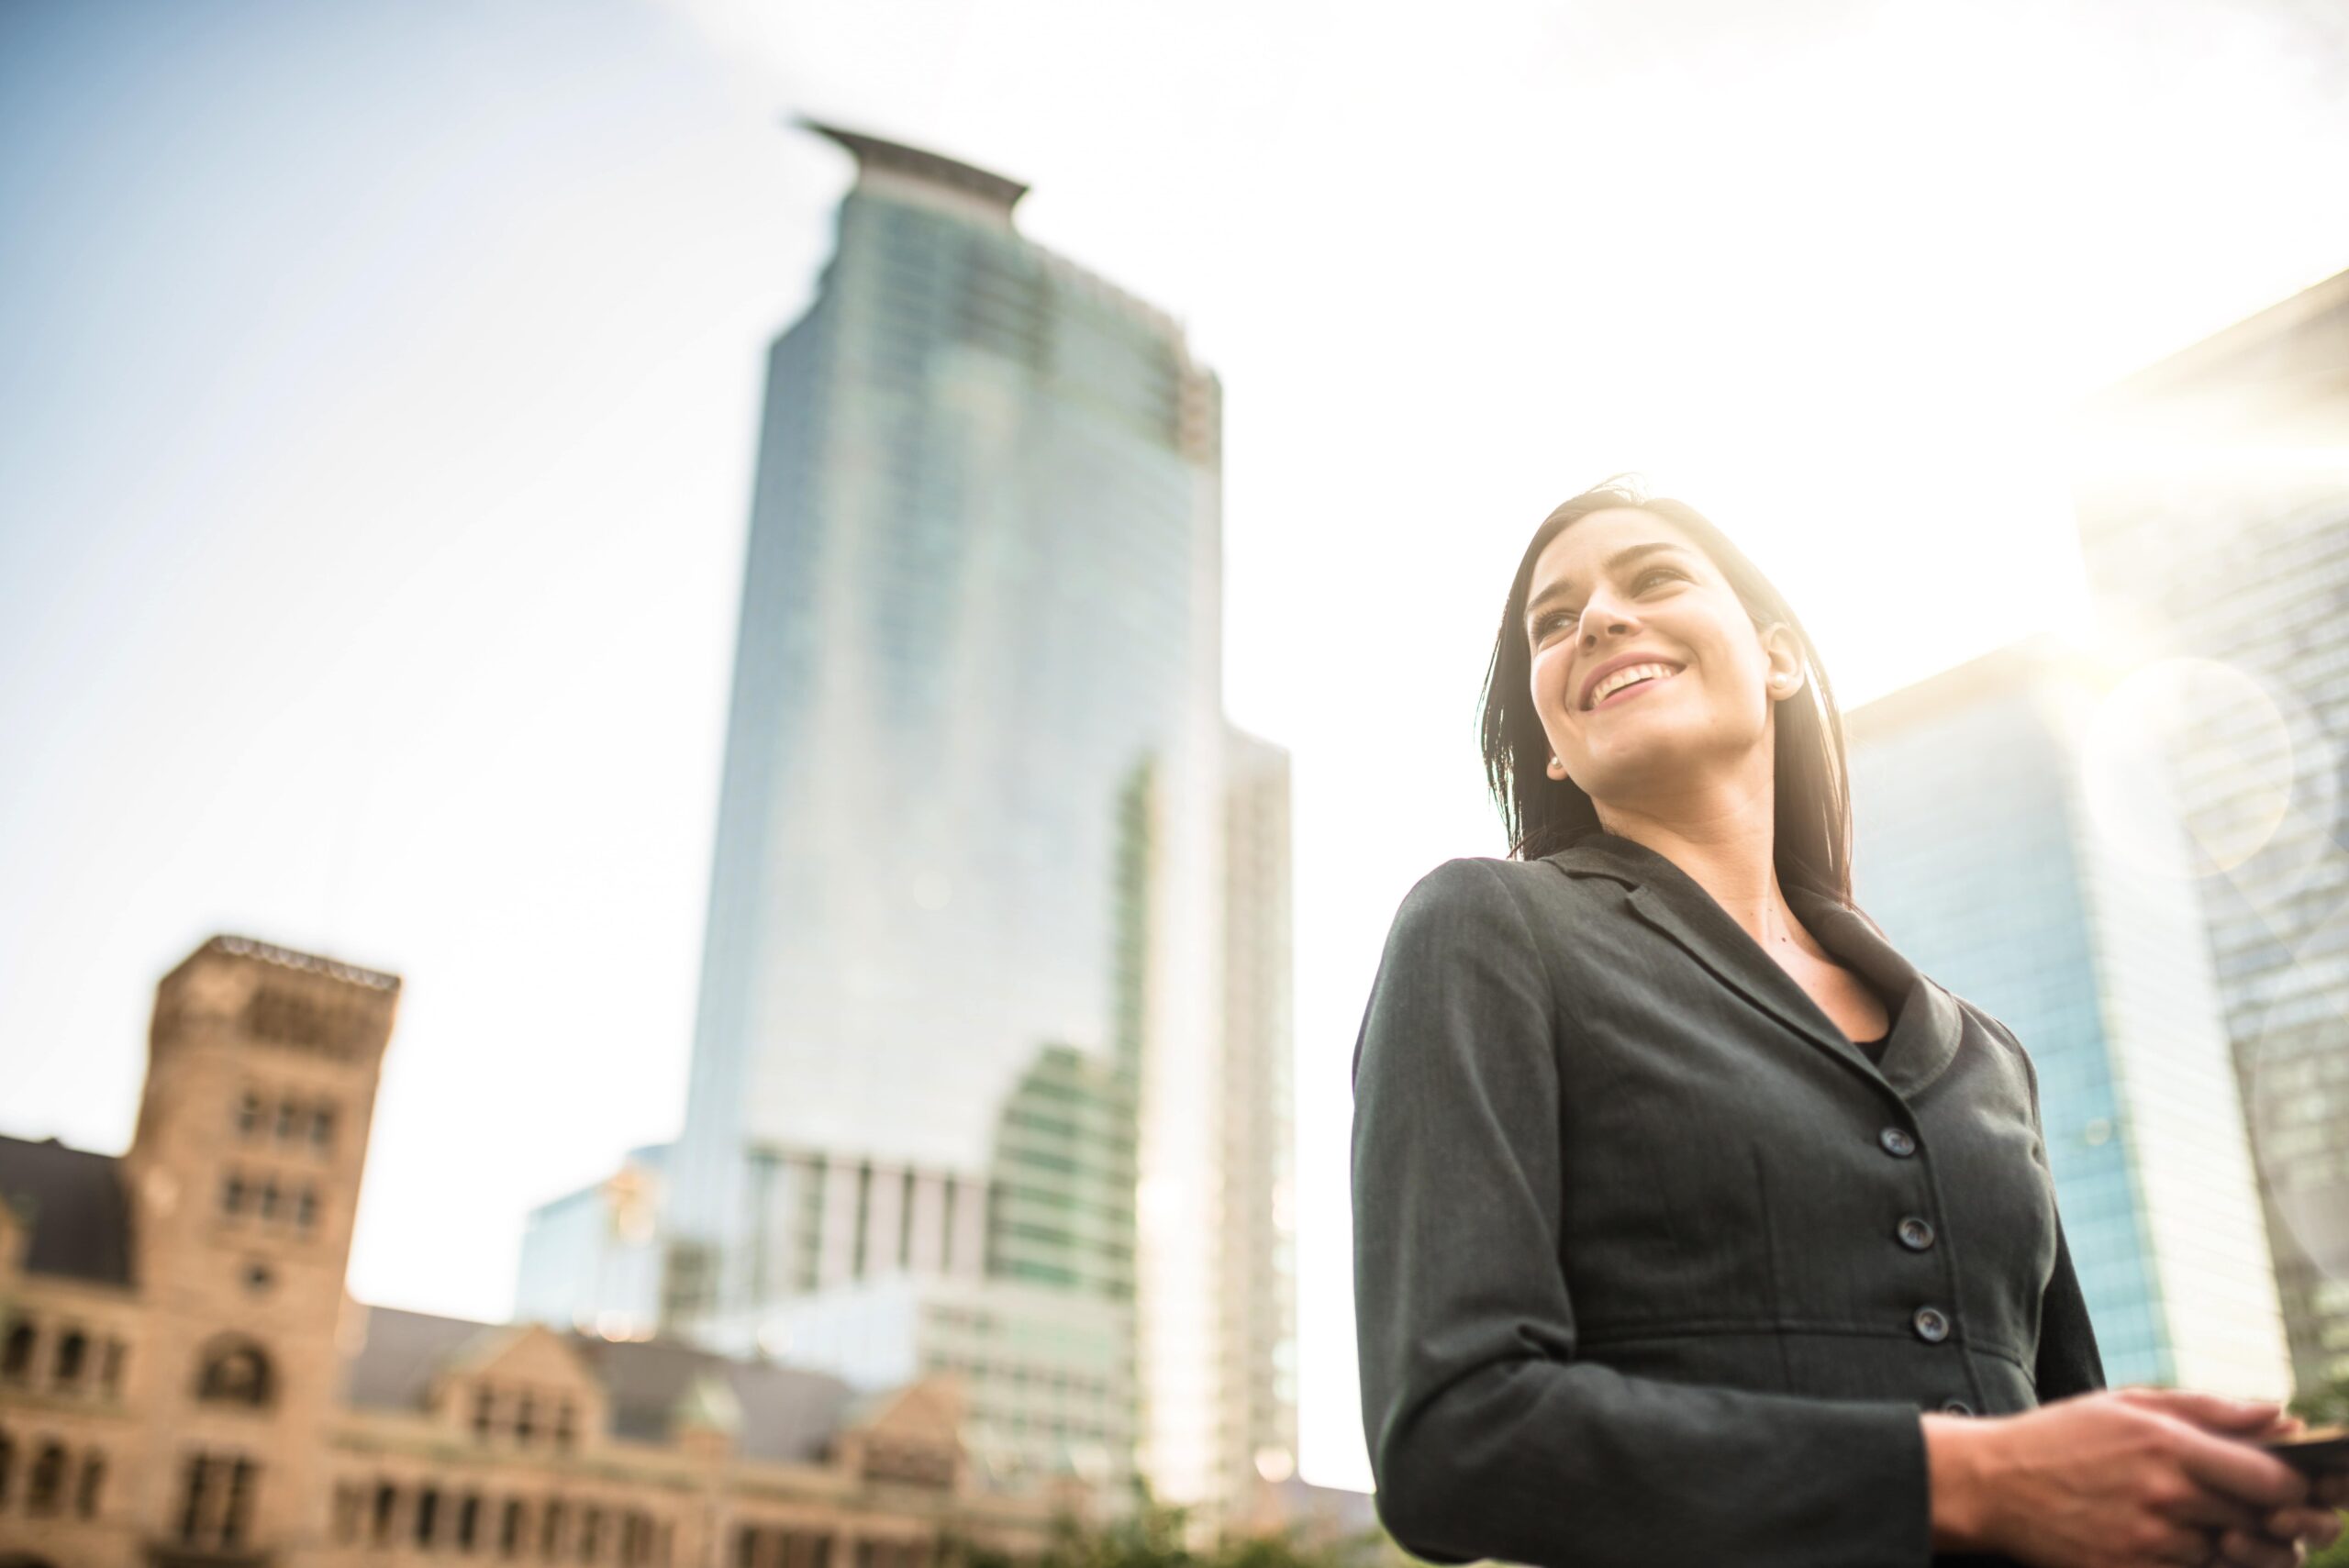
x,y
1896,1142
1957,1408
1916,1234
1931,1326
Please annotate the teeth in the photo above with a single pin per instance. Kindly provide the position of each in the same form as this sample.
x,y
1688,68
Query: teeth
x,y
1624,677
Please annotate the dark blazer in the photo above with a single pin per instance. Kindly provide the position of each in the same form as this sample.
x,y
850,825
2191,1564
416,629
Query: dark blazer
x,y
1652,1264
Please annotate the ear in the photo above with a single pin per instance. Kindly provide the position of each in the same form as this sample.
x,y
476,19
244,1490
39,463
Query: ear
x,y
1785,675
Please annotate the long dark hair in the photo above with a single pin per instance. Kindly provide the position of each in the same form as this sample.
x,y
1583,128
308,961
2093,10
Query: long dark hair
x,y
1542,815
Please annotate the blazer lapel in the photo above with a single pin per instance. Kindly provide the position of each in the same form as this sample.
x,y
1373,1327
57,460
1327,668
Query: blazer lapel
x,y
1926,1030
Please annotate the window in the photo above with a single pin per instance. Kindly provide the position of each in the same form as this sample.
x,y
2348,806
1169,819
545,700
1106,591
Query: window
x,y
72,1353
288,1114
386,1502
468,1520
350,1501
509,1528
233,1193
428,1510
7,1464
94,1480
110,1367
305,1210
234,1371
234,1526
525,1425
485,1410
269,1198
564,1422
322,1128
47,1480
551,1529
216,1500
248,1115
16,1355
591,1533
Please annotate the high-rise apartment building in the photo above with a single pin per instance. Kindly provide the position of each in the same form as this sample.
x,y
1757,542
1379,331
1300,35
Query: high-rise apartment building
x,y
2213,500
1986,848
965,1074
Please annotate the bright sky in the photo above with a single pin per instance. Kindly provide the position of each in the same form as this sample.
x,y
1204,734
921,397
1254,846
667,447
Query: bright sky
x,y
377,416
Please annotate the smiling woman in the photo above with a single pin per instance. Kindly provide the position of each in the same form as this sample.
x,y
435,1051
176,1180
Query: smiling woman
x,y
1659,549
1693,1223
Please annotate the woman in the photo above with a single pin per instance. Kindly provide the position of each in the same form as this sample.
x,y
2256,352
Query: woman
x,y
1693,1225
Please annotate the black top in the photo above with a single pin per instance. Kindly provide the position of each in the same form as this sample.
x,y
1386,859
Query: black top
x,y
1652,1261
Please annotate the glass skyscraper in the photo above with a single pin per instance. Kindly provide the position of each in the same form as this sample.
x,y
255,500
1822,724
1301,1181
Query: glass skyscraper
x,y
1980,848
2214,496
964,1057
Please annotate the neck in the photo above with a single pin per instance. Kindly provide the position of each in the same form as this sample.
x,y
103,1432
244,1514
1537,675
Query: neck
x,y
1728,846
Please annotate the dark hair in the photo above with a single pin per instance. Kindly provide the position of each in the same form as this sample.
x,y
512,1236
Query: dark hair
x,y
1812,837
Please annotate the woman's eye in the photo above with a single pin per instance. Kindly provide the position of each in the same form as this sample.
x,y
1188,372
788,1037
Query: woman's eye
x,y
1657,571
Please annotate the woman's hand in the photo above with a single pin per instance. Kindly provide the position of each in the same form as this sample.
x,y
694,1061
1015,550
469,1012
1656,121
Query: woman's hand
x,y
2119,1478
2286,1533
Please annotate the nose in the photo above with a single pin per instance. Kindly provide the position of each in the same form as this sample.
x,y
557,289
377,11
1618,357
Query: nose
x,y
1600,611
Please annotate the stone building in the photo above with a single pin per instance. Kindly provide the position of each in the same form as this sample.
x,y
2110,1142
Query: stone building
x,y
184,1381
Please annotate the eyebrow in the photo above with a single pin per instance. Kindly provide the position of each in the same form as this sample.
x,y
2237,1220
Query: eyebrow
x,y
1565,585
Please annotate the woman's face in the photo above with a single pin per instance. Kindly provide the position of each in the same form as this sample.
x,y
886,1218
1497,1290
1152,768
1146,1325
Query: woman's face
x,y
1626,583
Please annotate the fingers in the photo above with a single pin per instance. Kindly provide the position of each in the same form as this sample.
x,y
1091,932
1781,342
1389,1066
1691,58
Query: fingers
x,y
2320,1527
2238,1469
2238,1549
2215,1412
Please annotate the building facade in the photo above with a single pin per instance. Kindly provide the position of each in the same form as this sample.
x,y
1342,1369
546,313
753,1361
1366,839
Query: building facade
x,y
185,1382
1983,849
2213,502
963,1070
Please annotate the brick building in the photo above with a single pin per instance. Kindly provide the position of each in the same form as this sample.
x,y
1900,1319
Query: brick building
x,y
184,1381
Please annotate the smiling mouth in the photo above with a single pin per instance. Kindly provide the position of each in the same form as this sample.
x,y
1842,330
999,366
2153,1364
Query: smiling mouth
x,y
1623,693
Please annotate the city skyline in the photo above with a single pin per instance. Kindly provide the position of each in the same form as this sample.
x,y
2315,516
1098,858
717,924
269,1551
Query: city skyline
x,y
365,518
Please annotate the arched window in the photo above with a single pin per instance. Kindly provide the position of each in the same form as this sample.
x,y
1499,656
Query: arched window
x,y
72,1353
386,1498
428,1513
93,1479
16,1355
509,1528
48,1479
235,1372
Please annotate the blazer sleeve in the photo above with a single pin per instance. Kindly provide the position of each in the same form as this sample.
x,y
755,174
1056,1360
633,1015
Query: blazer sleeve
x,y
1488,1436
2068,1361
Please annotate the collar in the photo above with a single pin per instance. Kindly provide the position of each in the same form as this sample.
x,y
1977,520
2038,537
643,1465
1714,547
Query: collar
x,y
1927,1030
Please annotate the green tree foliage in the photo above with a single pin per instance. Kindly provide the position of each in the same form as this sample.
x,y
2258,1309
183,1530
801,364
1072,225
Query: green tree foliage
x,y
1159,1536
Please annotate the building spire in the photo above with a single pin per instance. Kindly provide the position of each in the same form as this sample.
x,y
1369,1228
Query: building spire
x,y
894,162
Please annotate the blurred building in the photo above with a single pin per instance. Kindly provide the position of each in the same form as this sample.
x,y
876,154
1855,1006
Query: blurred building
x,y
1982,849
966,1077
184,1381
2213,499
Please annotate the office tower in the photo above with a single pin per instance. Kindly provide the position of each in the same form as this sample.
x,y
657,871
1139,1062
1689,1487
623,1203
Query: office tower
x,y
2213,498
1986,846
1257,1372
959,1093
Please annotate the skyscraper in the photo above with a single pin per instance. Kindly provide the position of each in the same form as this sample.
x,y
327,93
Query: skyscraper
x,y
2213,498
964,1072
1985,850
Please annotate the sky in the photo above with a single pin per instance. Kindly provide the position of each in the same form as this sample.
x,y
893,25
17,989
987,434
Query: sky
x,y
377,427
